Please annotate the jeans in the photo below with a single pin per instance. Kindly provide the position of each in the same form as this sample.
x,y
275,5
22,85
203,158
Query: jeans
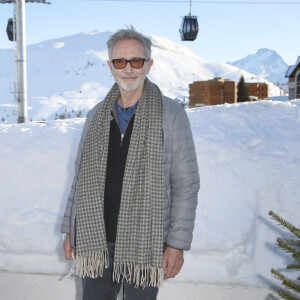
x,y
103,288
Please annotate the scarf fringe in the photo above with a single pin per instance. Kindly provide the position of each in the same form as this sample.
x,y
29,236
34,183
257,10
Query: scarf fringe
x,y
91,264
139,275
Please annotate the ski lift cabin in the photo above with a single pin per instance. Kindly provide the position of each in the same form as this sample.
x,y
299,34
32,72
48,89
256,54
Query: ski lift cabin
x,y
10,29
189,28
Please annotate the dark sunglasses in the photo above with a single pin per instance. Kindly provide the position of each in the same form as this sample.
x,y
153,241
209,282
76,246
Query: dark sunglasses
x,y
136,63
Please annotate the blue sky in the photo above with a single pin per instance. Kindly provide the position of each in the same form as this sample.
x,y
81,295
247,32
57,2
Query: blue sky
x,y
227,31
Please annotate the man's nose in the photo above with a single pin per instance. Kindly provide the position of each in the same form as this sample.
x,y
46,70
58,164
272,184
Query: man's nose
x,y
128,68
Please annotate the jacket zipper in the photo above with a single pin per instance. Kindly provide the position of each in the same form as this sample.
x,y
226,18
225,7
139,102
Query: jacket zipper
x,y
122,137
123,134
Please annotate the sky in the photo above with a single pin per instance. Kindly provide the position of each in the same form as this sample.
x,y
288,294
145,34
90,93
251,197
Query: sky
x,y
228,31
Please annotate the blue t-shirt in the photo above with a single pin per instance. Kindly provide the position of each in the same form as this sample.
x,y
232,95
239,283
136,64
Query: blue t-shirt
x,y
124,115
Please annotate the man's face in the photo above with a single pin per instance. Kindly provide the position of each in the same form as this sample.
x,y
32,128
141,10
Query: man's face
x,y
129,79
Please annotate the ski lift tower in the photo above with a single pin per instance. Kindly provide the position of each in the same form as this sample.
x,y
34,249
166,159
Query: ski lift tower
x,y
21,65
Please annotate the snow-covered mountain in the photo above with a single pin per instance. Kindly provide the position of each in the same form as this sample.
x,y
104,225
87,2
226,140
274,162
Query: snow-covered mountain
x,y
69,75
265,63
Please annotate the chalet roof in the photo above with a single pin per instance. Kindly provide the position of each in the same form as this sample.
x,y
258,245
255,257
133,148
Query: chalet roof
x,y
13,1
291,71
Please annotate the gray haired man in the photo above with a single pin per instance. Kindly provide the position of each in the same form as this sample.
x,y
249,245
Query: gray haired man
x,y
131,210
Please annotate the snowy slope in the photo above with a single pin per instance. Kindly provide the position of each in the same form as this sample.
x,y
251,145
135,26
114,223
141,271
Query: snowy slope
x,y
69,75
249,162
265,63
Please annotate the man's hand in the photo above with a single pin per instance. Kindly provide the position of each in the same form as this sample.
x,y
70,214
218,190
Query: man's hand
x,y
68,250
172,262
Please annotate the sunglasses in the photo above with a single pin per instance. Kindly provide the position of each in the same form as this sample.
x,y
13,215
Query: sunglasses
x,y
136,63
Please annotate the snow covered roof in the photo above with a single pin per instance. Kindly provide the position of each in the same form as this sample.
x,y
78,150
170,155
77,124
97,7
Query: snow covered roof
x,y
292,69
13,1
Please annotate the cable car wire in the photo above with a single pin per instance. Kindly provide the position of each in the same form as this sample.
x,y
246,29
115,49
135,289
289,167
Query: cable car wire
x,y
205,2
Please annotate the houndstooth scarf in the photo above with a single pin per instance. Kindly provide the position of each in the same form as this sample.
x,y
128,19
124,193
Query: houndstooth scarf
x,y
139,241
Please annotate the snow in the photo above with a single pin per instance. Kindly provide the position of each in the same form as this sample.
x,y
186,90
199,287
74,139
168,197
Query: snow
x,y
69,75
265,63
49,287
249,162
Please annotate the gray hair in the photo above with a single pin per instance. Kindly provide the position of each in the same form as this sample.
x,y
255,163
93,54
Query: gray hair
x,y
128,34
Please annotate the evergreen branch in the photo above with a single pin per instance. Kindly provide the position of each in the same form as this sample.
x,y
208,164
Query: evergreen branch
x,y
286,282
284,223
293,266
292,247
286,295
295,243
287,248
297,256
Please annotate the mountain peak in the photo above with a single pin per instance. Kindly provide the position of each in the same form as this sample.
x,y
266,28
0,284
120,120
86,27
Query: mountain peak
x,y
265,63
265,50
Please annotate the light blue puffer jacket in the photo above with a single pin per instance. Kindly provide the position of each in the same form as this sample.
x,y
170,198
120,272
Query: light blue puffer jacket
x,y
181,178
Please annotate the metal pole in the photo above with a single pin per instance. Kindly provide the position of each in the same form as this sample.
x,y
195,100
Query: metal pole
x,y
21,61
15,65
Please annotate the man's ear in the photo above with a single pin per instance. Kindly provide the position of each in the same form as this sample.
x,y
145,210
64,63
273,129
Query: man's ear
x,y
109,63
150,63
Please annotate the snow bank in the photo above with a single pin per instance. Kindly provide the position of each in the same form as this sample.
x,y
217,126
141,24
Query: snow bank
x,y
249,162
49,287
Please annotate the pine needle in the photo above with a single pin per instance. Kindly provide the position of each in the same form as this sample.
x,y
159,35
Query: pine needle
x,y
284,223
292,247
293,266
286,281
286,295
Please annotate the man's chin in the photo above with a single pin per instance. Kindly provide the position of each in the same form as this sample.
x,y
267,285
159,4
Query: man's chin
x,y
129,87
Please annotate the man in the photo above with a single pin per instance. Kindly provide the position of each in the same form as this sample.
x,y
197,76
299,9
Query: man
x,y
131,210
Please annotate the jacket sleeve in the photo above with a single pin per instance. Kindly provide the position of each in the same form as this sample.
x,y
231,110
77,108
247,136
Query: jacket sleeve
x,y
66,222
184,182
